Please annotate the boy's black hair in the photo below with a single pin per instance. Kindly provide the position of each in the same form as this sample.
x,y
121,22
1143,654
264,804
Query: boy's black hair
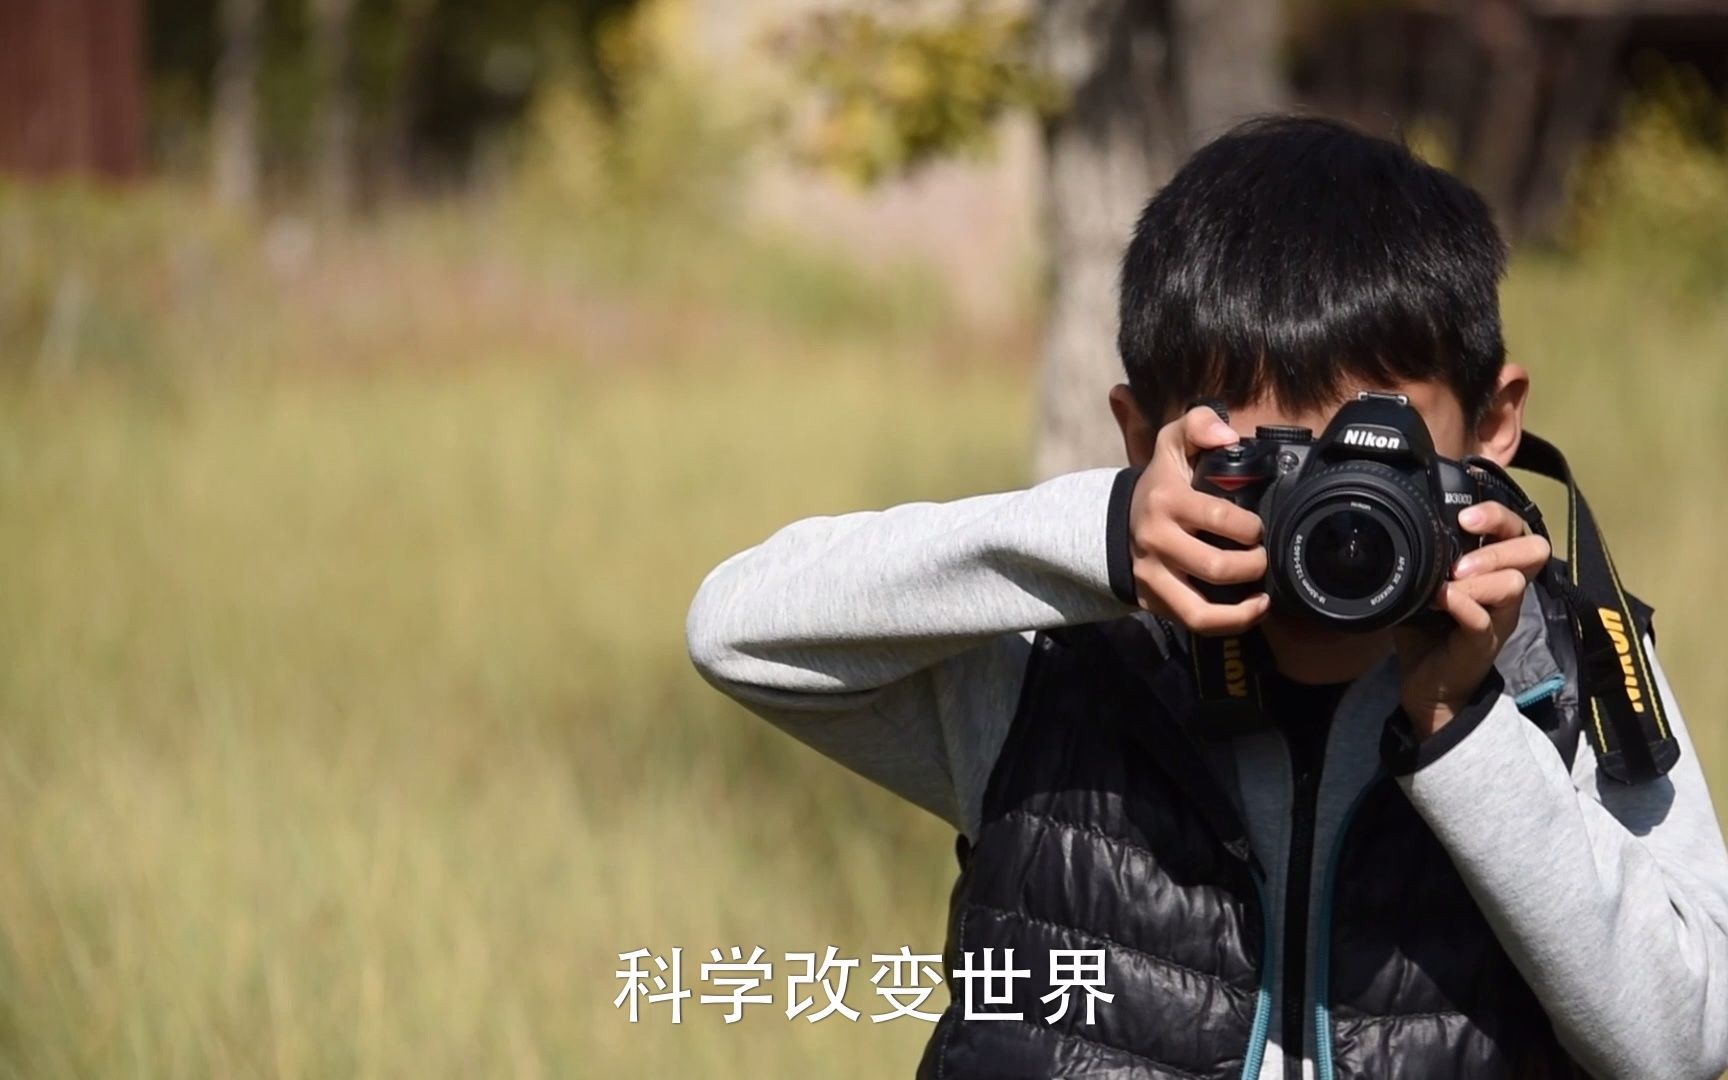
x,y
1294,258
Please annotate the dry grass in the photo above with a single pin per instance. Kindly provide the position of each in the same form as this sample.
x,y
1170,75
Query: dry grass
x,y
346,723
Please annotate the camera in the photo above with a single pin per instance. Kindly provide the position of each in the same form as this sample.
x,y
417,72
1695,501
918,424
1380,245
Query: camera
x,y
1361,524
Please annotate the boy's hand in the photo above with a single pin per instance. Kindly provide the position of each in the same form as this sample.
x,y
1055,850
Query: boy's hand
x,y
1166,513
1441,671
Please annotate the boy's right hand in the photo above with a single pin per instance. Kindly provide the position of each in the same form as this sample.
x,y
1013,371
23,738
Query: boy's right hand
x,y
1163,518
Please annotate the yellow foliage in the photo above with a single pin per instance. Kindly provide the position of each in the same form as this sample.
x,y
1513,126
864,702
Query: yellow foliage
x,y
895,92
665,147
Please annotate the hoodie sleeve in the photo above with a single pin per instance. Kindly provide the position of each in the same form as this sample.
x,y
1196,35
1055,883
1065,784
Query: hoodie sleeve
x,y
1612,899
895,641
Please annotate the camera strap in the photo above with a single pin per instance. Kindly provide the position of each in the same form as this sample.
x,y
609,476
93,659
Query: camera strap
x,y
1626,721
1226,672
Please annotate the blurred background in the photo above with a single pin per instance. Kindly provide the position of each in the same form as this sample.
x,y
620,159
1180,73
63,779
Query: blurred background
x,y
378,378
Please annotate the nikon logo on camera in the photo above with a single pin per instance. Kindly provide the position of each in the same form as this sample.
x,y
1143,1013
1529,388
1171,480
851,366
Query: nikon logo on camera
x,y
1372,438
1623,646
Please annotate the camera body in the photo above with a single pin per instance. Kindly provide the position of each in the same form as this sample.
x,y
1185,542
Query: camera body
x,y
1360,524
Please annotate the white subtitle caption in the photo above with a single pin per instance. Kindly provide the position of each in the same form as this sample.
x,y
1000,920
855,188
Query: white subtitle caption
x,y
815,985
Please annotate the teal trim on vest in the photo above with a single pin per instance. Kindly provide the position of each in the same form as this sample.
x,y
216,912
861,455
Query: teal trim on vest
x,y
1323,938
1541,691
1263,1008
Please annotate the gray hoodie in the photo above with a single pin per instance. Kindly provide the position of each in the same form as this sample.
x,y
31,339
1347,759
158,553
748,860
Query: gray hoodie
x,y
895,642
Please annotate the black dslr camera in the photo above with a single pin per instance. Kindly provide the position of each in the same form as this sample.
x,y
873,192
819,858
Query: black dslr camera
x,y
1361,525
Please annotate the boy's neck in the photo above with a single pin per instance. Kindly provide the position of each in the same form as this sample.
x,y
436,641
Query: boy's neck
x,y
1306,653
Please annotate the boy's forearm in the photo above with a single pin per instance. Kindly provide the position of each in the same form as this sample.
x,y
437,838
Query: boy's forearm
x,y
848,605
1616,910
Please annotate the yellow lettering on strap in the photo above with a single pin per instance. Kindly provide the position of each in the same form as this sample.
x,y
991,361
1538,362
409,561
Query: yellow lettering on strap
x,y
1235,670
1623,646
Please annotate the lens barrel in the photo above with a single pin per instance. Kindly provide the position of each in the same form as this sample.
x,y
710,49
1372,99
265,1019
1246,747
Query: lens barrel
x,y
1358,545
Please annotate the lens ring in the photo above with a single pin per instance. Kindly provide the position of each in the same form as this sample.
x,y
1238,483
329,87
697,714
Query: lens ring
x,y
1396,528
1354,604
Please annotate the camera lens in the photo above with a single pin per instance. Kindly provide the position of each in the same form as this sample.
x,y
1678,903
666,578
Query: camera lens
x,y
1356,547
1349,555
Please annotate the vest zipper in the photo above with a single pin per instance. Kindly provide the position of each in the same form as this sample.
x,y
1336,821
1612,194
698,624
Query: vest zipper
x,y
1305,786
1322,959
1540,692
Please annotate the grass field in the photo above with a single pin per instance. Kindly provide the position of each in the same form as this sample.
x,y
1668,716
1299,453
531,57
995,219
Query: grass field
x,y
345,726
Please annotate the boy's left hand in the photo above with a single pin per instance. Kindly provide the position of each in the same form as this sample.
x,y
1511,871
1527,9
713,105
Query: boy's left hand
x,y
1440,671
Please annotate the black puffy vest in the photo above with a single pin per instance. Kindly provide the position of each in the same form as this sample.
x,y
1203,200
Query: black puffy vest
x,y
1091,840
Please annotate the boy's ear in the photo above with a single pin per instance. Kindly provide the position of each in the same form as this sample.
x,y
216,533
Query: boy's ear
x,y
1139,437
1501,427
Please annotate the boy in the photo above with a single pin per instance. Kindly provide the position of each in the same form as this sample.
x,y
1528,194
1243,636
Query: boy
x,y
1403,872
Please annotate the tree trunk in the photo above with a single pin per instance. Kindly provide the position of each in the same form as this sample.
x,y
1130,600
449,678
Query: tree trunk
x,y
72,87
413,25
1501,148
335,156
1148,81
234,119
1228,57
1575,104
1447,78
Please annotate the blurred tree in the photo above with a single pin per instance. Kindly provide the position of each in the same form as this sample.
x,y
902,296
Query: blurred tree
x,y
896,93
234,108
410,53
1583,87
334,161
71,87
345,97
1147,83
1509,93
448,76
1125,89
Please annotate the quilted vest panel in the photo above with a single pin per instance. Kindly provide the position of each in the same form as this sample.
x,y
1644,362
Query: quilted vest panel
x,y
1088,841
1103,828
